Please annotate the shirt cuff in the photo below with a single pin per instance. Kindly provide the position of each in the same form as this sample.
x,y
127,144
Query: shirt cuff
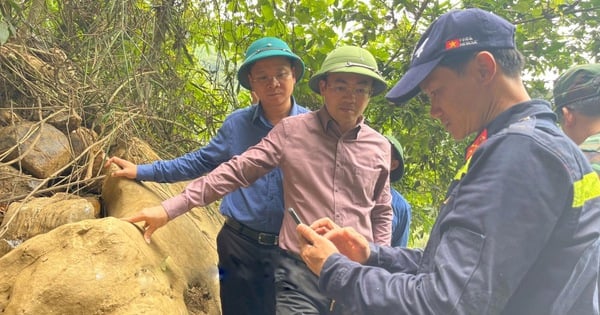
x,y
373,259
332,273
175,206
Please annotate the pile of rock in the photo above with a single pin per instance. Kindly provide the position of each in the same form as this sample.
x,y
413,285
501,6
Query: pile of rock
x,y
63,249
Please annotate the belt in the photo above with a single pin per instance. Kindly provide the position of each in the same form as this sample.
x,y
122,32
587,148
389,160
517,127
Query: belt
x,y
260,237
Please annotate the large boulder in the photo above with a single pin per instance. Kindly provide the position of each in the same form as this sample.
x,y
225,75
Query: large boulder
x,y
25,220
90,267
39,148
60,262
104,266
189,240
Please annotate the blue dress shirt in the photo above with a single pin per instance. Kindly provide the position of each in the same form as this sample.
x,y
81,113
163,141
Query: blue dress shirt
x,y
259,206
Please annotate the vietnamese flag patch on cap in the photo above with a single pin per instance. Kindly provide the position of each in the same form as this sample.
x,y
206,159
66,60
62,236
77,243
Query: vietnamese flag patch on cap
x,y
453,43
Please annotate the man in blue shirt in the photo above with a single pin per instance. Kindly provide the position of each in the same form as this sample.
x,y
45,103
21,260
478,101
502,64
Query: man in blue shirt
x,y
247,244
400,207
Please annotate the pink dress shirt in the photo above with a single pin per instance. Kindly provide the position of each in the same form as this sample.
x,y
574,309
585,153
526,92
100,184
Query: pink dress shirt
x,y
325,174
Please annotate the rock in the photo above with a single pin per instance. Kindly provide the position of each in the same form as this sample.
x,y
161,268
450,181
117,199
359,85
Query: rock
x,y
65,120
97,266
104,266
25,220
89,156
39,148
8,117
14,184
189,240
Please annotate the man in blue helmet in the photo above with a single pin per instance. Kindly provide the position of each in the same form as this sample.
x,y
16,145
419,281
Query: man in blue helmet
x,y
247,244
518,233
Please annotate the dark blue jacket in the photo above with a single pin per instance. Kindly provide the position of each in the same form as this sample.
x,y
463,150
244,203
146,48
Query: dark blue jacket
x,y
259,206
517,234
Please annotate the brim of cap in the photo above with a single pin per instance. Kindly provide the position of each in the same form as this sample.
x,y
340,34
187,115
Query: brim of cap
x,y
242,74
379,85
408,86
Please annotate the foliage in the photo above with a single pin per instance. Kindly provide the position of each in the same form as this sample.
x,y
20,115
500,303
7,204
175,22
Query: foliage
x,y
166,69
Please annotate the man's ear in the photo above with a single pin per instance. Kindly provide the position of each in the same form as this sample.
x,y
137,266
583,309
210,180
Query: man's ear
x,y
486,66
569,118
294,74
322,86
394,165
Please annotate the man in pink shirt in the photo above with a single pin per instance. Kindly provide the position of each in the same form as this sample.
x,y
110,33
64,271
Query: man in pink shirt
x,y
333,165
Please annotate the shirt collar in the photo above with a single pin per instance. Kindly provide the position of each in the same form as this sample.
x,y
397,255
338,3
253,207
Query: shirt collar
x,y
329,125
535,108
259,113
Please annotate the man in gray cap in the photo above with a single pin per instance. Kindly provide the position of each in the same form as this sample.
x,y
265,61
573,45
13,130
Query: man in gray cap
x,y
577,104
519,230
333,165
247,243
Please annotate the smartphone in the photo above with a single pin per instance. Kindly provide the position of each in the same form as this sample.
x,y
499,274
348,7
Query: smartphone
x,y
294,215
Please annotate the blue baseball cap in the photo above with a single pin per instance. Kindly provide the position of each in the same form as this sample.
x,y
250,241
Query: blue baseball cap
x,y
453,32
267,47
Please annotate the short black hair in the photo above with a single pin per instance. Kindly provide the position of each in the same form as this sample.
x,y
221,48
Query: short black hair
x,y
510,60
587,107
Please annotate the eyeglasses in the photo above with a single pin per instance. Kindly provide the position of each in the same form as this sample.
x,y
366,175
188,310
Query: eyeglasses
x,y
345,90
266,79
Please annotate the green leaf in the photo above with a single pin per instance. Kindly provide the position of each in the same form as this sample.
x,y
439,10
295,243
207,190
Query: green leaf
x,y
4,32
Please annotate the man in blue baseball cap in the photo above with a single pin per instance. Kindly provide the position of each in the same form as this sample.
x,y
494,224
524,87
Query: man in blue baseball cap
x,y
247,244
519,230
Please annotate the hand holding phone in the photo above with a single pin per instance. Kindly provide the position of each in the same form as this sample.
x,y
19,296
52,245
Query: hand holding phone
x,y
294,215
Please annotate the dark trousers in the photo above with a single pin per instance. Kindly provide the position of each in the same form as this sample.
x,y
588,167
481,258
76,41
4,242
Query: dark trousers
x,y
297,289
246,270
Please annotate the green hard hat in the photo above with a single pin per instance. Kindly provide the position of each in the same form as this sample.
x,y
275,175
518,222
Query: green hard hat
x,y
577,84
349,59
398,172
267,47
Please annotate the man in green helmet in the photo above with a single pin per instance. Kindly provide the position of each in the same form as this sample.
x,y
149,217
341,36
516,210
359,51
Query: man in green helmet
x,y
247,242
400,207
577,104
333,165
